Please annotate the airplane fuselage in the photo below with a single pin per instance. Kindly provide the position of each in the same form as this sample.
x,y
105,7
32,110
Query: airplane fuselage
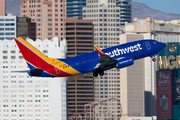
x,y
136,50
97,62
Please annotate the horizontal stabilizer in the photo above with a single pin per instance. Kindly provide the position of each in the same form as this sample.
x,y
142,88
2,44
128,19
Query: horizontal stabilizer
x,y
22,71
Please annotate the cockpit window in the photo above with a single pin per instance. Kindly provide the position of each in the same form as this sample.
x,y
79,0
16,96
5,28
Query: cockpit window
x,y
155,42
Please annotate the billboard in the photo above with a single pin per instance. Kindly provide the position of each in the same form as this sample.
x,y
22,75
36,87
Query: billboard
x,y
177,90
169,57
164,95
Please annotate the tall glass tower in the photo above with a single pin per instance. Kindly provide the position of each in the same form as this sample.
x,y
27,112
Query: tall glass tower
x,y
125,11
74,8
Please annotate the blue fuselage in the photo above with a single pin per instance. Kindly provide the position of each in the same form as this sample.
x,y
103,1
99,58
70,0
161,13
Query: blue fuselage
x,y
136,50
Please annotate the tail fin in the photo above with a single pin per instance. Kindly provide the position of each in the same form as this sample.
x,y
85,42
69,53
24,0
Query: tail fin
x,y
33,57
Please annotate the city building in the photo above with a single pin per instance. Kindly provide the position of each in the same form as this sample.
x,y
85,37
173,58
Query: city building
x,y
29,98
2,7
125,11
8,27
49,15
75,8
79,36
13,26
138,82
26,28
106,21
168,82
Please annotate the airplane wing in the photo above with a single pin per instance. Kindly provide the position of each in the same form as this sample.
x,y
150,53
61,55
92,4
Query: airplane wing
x,y
105,60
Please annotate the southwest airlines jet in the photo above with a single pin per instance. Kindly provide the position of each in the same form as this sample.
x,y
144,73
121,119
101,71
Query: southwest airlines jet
x,y
97,62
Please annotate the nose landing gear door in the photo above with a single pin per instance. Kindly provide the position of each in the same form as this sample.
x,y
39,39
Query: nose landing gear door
x,y
148,45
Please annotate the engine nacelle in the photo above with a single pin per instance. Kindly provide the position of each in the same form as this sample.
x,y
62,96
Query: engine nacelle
x,y
35,72
124,62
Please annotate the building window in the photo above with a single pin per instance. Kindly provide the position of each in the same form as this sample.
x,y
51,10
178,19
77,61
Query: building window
x,y
49,29
13,51
49,24
13,57
5,57
49,10
5,51
9,24
49,33
45,51
67,24
49,19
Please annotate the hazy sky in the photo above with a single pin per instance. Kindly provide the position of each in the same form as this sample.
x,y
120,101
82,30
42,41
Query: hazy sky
x,y
168,6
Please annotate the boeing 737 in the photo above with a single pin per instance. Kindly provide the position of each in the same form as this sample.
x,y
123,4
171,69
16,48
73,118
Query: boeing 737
x,y
119,56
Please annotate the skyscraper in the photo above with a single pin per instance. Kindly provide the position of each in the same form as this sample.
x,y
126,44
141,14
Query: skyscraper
x,y
49,15
125,11
106,20
138,85
8,27
26,28
79,36
13,26
30,98
2,7
75,8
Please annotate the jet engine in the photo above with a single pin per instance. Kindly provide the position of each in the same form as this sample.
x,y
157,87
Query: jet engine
x,y
35,72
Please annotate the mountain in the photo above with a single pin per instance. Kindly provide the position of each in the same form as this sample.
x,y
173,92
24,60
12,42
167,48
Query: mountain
x,y
139,10
142,11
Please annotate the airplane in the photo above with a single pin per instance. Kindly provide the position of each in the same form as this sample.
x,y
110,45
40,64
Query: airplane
x,y
119,56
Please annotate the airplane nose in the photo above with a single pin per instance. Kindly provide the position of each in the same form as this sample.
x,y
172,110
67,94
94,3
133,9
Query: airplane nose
x,y
163,45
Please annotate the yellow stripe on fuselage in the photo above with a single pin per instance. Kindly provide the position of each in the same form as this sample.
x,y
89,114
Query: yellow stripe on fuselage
x,y
65,67
52,61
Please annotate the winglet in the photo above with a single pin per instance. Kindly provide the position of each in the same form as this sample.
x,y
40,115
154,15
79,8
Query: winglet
x,y
99,51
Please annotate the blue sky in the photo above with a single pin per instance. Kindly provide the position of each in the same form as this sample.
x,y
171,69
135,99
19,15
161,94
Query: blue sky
x,y
168,6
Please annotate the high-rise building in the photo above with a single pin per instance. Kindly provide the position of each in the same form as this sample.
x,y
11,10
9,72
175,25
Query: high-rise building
x,y
13,26
30,98
138,82
79,36
49,15
26,28
75,8
106,20
8,27
125,11
2,7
